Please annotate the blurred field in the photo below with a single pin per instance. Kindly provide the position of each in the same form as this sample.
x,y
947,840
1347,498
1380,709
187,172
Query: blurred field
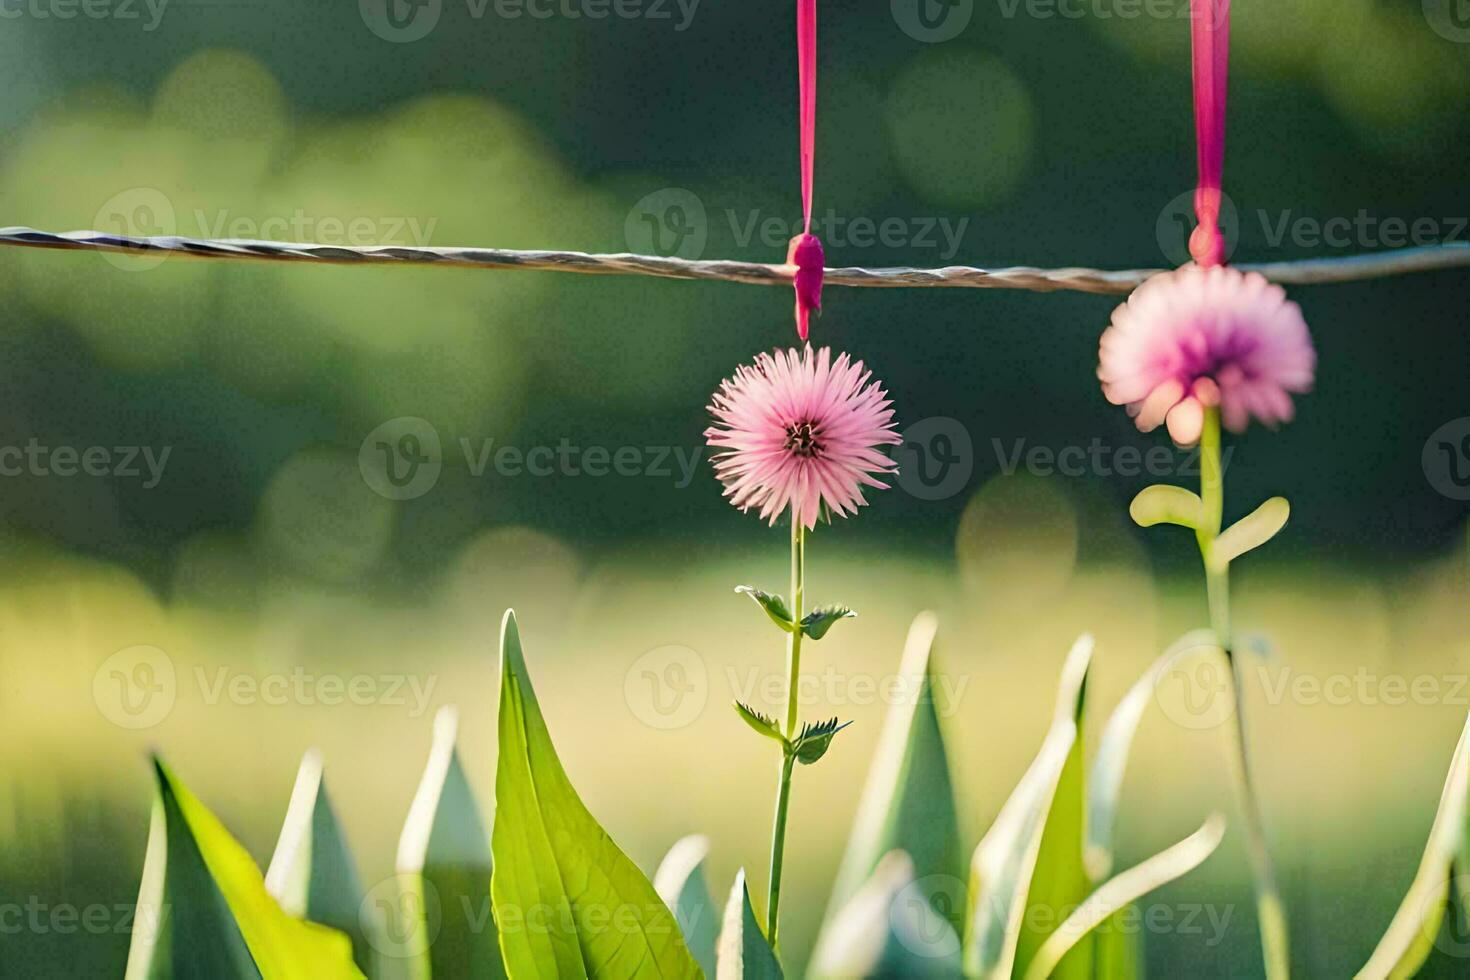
x,y
1349,787
261,555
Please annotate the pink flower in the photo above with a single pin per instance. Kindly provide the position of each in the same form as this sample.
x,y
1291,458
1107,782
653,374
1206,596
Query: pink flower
x,y
797,430
1195,338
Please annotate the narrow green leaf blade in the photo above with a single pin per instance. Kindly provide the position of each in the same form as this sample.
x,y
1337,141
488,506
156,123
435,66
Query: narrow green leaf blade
x,y
1105,785
681,882
568,901
744,953
1002,869
312,873
1252,530
1410,936
888,929
759,723
1165,504
1110,898
816,623
774,605
444,858
204,910
908,803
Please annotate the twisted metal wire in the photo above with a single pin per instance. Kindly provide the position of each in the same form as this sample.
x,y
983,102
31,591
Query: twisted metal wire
x,y
1374,265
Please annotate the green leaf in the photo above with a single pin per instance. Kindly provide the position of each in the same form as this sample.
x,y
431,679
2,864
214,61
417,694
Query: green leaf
x,y
203,909
312,873
1251,531
1105,784
888,929
680,882
569,903
1005,863
774,605
444,863
744,953
814,740
908,802
1164,504
816,623
1126,888
1410,936
758,722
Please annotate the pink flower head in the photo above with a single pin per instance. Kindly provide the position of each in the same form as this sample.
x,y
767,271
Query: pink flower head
x,y
1196,338
797,430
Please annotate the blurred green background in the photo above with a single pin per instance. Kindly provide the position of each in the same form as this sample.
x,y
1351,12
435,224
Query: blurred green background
x,y
1031,136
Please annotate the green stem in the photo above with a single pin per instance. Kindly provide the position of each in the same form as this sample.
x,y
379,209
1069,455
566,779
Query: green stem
x,y
793,676
1270,909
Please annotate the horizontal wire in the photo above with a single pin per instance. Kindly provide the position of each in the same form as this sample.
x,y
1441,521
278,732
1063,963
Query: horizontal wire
x,y
1373,265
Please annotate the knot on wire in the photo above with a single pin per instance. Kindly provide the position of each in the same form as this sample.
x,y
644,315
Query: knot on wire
x,y
805,252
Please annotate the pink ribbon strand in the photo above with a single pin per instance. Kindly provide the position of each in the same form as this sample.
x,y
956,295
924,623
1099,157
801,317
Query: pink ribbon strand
x,y
1210,48
805,251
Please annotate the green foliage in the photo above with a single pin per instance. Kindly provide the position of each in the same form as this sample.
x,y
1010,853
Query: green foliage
x,y
889,928
680,881
908,803
1165,504
312,873
812,743
569,903
744,953
1407,944
759,722
816,623
1251,531
203,910
774,606
445,867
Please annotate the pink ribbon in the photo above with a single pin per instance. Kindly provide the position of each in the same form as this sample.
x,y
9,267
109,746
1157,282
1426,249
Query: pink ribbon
x,y
805,251
1210,47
